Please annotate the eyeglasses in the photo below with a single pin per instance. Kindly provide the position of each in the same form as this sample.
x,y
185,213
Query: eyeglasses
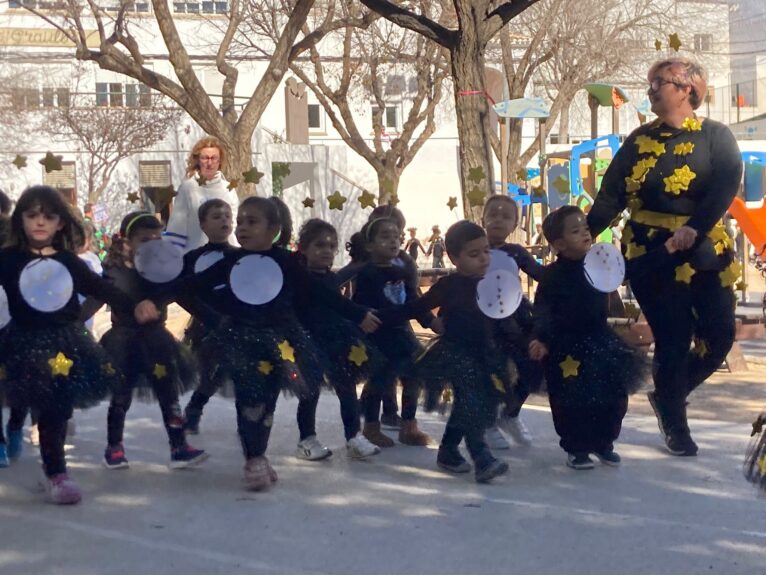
x,y
658,83
209,159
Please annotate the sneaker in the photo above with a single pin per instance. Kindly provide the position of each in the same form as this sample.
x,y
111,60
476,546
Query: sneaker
x,y
34,435
517,429
661,422
359,447
62,490
311,449
450,459
495,438
609,457
375,436
579,461
258,474
192,416
680,443
390,421
493,468
15,443
4,456
186,456
114,457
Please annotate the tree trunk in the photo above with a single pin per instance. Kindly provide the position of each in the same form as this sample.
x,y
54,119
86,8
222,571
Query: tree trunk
x,y
239,159
514,150
388,184
472,110
564,124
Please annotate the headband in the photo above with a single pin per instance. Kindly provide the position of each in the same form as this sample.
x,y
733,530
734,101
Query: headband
x,y
370,225
135,219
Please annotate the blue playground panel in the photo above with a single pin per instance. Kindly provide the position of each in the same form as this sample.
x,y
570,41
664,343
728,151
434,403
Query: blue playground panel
x,y
575,180
755,176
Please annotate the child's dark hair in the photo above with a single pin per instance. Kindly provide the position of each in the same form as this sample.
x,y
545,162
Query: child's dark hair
x,y
553,224
51,202
388,212
5,204
355,246
372,227
459,234
209,206
116,256
268,209
312,229
495,198
136,221
285,223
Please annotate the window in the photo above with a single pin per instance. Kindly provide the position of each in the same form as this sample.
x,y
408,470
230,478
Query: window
x,y
703,42
390,118
117,95
316,117
154,174
38,4
55,97
204,7
115,6
25,98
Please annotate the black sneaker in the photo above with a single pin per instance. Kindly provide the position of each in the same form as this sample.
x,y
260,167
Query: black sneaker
x,y
186,456
680,443
192,417
114,457
450,460
661,420
579,461
609,457
493,468
390,421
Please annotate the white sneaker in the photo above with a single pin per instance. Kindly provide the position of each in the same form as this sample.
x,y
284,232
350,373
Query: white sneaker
x,y
495,439
311,449
34,435
515,427
359,447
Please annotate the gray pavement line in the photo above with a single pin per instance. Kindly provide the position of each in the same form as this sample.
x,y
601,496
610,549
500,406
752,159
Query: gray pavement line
x,y
626,517
212,556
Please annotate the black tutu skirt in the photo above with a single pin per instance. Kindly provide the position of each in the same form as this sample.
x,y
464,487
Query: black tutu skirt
x,y
754,466
149,357
594,369
56,368
478,380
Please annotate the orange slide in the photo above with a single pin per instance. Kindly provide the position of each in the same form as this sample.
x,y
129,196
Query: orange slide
x,y
752,222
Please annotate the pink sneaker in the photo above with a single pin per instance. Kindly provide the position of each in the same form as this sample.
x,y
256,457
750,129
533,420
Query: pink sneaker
x,y
62,490
258,474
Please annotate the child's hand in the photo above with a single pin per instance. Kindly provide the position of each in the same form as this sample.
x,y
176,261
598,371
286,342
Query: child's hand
x,y
437,326
670,245
370,323
537,350
146,311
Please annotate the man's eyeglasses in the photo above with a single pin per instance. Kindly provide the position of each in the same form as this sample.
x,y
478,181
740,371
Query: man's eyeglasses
x,y
658,83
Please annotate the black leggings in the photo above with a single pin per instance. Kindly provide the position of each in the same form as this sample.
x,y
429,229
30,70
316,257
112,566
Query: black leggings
x,y
15,420
254,423
374,393
474,440
52,427
349,412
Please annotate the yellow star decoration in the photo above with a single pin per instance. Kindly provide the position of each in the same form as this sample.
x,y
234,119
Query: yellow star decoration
x,y
252,176
521,174
719,248
674,41
634,251
498,383
684,273
60,365
692,125
719,235
286,351
308,203
569,367
679,181
740,286
20,161
477,174
452,203
635,203
658,45
160,371
627,234
133,197
562,185
632,186
642,168
233,184
647,145
731,274
366,200
476,196
265,367
108,369
683,149
762,466
3,373
358,354
336,201
700,348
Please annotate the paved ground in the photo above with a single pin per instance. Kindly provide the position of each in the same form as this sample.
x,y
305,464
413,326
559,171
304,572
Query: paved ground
x,y
397,513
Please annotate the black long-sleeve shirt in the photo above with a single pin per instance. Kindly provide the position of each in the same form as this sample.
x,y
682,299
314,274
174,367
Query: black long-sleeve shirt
x,y
526,262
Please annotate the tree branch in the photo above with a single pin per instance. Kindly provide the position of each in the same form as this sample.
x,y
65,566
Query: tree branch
x,y
415,22
501,15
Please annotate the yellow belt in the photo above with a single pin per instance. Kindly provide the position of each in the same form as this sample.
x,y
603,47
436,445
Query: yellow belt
x,y
659,220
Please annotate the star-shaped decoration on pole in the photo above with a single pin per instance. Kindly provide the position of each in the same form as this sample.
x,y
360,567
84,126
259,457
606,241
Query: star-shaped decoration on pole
x,y
159,371
674,41
684,273
51,163
452,203
336,201
658,45
265,367
286,351
252,176
20,161
233,185
569,367
366,200
358,354
133,197
60,365
476,197
476,174
308,202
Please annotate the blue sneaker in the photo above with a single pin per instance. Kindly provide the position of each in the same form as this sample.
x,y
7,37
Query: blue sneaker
x,y
3,456
15,443
186,456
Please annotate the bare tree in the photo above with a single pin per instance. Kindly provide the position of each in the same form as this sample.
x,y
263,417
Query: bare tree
x,y
464,28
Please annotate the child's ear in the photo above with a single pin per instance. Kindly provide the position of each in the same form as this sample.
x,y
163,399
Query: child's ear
x,y
559,245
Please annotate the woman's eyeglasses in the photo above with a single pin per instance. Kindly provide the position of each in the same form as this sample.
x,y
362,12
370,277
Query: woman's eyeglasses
x,y
658,83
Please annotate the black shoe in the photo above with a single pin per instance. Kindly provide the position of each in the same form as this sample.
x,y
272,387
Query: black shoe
x,y
662,422
680,443
192,416
609,457
579,461
390,421
449,459
489,470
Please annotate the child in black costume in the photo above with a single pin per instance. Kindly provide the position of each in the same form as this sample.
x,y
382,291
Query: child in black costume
x,y
261,346
754,467
215,220
52,361
500,217
148,355
381,284
465,355
589,370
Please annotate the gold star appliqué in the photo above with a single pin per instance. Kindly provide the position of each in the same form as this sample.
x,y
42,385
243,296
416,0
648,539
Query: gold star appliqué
x,y
265,367
252,176
477,174
498,383
641,168
647,145
692,125
700,348
679,181
684,273
476,197
731,274
159,371
366,200
60,365
108,369
286,351
308,202
634,250
674,41
358,354
336,201
683,149
569,367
